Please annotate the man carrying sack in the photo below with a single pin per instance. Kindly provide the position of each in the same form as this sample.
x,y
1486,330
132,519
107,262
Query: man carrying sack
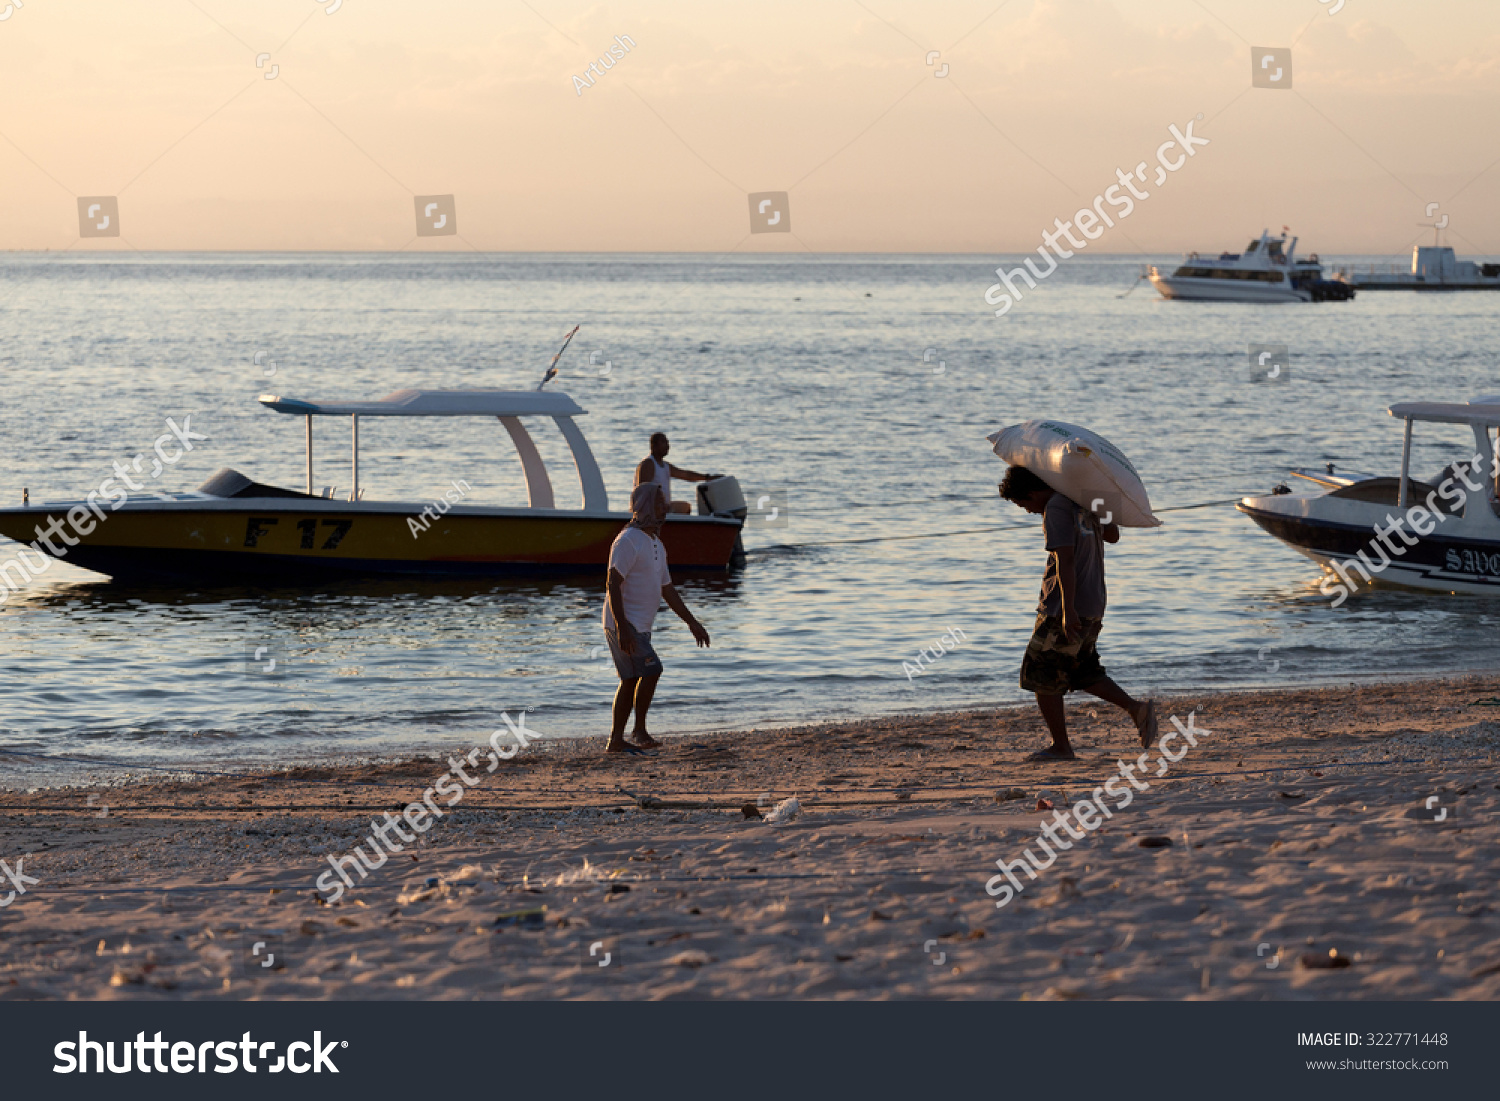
x,y
1061,656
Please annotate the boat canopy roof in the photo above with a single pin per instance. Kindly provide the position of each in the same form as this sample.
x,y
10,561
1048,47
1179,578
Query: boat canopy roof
x,y
506,405
1482,413
438,403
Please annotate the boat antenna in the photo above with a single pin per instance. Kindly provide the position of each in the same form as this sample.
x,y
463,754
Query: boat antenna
x,y
552,367
1436,226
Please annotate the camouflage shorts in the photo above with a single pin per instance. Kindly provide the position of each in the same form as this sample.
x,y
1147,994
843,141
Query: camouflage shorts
x,y
1053,666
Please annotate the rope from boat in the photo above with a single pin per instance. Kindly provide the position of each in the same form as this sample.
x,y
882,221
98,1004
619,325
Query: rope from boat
x,y
989,496
966,531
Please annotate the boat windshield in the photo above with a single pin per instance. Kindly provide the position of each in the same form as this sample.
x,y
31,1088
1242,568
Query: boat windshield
x,y
1251,247
1465,463
1274,248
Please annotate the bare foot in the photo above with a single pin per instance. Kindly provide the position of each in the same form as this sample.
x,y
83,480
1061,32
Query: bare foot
x,y
1053,753
622,746
644,740
1145,723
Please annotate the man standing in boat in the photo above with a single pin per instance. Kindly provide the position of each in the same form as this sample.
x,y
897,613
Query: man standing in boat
x,y
654,468
637,582
1061,656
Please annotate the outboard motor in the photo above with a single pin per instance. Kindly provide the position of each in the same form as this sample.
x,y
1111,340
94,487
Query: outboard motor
x,y
722,496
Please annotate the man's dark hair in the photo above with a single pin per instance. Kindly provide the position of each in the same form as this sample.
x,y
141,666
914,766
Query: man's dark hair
x,y
657,436
1020,483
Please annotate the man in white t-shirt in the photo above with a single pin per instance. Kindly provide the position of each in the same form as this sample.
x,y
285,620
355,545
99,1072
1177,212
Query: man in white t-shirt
x,y
637,582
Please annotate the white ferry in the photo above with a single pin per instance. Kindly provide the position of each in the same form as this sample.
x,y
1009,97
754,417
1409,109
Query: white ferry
x,y
1267,271
1433,268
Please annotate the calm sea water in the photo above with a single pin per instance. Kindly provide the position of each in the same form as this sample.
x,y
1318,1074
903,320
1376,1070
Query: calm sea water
x,y
860,387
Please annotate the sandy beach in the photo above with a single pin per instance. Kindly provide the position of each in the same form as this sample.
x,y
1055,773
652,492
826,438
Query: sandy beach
x,y
1328,843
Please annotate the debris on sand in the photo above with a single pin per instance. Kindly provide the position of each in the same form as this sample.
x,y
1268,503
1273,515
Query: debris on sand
x,y
784,812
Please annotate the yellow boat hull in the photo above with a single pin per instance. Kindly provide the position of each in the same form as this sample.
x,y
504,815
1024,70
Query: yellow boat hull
x,y
274,539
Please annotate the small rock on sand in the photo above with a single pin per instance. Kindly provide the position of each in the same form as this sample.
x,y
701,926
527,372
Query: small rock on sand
x,y
1314,962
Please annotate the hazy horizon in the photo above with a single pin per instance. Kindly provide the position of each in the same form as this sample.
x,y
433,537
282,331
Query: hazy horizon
x,y
1023,115
722,254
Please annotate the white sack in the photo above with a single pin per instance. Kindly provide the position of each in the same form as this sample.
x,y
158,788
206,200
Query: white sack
x,y
1081,465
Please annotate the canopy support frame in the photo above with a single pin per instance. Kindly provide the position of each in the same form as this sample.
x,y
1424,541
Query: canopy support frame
x,y
1405,463
595,496
538,483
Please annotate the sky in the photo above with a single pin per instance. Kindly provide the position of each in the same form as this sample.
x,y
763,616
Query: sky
x,y
172,109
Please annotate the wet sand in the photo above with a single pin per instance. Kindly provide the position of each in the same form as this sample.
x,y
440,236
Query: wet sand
x,y
1304,862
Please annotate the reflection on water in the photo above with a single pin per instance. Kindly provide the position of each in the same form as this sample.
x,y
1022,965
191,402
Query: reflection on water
x,y
506,594
803,378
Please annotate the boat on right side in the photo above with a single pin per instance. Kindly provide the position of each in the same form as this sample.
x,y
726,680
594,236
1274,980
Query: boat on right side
x,y
1433,268
1365,529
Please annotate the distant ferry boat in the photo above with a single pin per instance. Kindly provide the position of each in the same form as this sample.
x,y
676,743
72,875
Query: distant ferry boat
x,y
1267,271
1433,268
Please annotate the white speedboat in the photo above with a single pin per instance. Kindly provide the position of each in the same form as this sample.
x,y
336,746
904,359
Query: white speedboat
x,y
1442,535
1267,271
